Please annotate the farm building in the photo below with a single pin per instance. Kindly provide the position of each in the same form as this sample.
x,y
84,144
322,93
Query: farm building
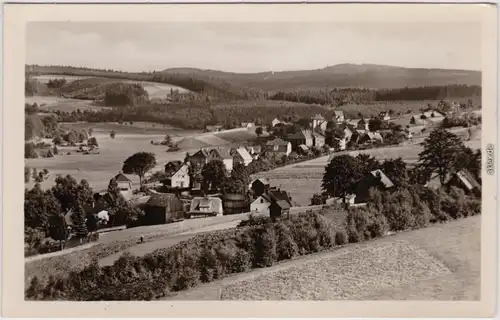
x,y
318,140
206,206
259,186
357,135
301,137
317,120
163,208
241,156
177,174
278,147
375,179
338,116
235,203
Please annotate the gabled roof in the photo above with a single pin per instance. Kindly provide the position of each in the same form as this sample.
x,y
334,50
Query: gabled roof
x,y
264,181
303,147
468,179
173,167
300,135
278,195
160,199
224,153
244,154
383,178
318,117
339,113
210,204
374,136
277,141
120,177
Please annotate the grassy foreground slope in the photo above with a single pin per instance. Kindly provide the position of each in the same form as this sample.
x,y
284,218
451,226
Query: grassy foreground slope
x,y
441,262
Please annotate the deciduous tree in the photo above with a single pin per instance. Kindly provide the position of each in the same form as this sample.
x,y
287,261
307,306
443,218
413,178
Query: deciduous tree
x,y
139,164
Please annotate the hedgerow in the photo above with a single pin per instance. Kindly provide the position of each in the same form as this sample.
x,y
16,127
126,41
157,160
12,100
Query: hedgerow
x,y
256,243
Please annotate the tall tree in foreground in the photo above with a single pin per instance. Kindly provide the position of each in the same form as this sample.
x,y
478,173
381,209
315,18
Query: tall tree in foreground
x,y
58,229
341,176
441,153
139,164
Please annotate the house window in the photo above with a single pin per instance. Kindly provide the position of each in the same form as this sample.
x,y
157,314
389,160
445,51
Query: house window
x,y
261,200
276,147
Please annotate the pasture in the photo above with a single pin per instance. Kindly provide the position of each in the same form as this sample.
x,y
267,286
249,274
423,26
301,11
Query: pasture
x,y
98,169
441,262
51,103
155,90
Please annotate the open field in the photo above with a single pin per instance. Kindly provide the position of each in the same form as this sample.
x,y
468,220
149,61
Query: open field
x,y
155,90
51,103
441,262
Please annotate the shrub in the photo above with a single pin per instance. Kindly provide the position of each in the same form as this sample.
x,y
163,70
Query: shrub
x,y
265,247
30,151
286,248
341,238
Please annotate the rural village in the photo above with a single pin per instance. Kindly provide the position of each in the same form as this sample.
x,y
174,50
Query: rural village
x,y
170,184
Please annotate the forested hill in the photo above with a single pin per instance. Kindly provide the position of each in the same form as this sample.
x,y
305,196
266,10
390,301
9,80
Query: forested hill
x,y
342,75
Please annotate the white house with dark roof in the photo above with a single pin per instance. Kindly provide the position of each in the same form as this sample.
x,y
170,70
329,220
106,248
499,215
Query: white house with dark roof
x,y
177,175
317,120
124,184
338,116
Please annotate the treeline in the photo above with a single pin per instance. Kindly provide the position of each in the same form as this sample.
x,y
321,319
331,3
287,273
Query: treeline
x,y
196,115
212,87
342,96
125,94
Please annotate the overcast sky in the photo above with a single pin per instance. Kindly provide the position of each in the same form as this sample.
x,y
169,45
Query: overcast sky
x,y
253,47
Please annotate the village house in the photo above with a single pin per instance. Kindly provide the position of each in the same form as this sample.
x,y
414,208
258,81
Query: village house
x,y
241,156
259,186
177,174
349,200
223,154
275,122
302,136
338,116
278,147
318,140
374,179
274,201
357,135
317,120
163,208
384,116
201,157
462,179
206,206
466,181
124,184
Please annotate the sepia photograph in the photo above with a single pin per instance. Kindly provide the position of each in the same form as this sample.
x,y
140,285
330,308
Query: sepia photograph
x,y
254,160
